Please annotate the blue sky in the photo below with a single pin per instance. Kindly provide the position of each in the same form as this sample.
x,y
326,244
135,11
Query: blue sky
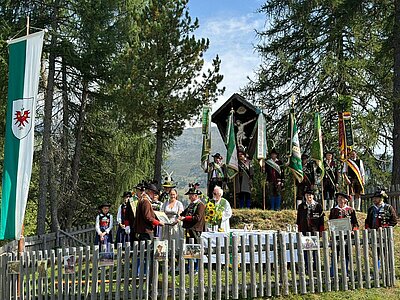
x,y
230,26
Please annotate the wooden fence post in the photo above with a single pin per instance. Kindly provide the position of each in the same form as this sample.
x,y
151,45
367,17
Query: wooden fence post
x,y
302,272
292,237
235,259
268,264
218,270
374,245
201,271
358,258
327,263
260,266
391,256
95,263
253,283
334,266
243,265
318,266
210,268
227,264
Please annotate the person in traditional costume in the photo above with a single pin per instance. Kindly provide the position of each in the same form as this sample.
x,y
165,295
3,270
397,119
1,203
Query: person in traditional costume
x,y
310,219
243,180
131,208
193,218
330,180
221,204
380,214
173,208
168,185
308,182
341,211
310,215
103,227
124,227
216,174
354,175
275,176
145,219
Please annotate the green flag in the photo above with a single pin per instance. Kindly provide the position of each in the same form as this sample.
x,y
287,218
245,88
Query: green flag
x,y
231,156
206,130
293,150
23,81
317,152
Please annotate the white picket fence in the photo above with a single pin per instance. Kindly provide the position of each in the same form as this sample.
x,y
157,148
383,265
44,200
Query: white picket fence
x,y
235,267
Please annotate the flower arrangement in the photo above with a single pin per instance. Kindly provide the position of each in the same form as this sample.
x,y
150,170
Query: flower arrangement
x,y
213,213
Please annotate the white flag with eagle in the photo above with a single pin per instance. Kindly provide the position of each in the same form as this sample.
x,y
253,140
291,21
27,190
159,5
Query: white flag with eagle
x,y
23,80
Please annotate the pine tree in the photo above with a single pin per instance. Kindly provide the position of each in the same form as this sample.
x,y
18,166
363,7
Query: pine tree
x,y
322,52
167,86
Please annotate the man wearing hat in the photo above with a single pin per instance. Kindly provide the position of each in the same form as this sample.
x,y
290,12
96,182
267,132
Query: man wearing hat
x,y
103,226
380,214
308,182
132,206
216,174
342,210
243,180
330,180
193,217
310,215
274,172
310,218
354,175
145,219
124,228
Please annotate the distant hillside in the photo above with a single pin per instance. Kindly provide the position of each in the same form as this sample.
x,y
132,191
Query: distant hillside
x,y
184,156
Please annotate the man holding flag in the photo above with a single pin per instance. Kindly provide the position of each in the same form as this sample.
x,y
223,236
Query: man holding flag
x,y
293,149
354,175
24,67
317,151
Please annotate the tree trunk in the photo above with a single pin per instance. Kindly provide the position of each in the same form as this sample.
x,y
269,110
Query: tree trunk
x,y
45,159
77,154
396,96
64,138
54,196
159,146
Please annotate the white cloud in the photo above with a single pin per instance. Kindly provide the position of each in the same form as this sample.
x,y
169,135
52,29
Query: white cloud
x,y
232,39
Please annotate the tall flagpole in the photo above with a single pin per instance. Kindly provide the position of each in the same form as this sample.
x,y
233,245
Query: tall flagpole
x,y
294,179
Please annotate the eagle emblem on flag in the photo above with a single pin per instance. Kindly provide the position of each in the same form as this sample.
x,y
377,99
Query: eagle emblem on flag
x,y
22,117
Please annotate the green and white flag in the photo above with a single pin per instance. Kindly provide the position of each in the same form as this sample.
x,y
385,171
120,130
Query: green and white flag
x,y
23,80
293,151
316,147
206,130
231,156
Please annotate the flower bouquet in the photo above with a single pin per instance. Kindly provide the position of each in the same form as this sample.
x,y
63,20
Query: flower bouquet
x,y
213,214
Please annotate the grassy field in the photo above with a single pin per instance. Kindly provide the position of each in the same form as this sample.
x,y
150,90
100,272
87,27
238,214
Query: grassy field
x,y
278,220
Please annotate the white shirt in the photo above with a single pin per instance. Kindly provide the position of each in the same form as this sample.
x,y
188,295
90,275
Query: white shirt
x,y
226,214
97,226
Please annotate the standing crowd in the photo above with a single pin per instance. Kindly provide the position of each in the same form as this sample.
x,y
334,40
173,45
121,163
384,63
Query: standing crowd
x,y
352,172
141,217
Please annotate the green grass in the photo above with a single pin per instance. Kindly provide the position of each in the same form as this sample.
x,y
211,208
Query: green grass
x,y
265,219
